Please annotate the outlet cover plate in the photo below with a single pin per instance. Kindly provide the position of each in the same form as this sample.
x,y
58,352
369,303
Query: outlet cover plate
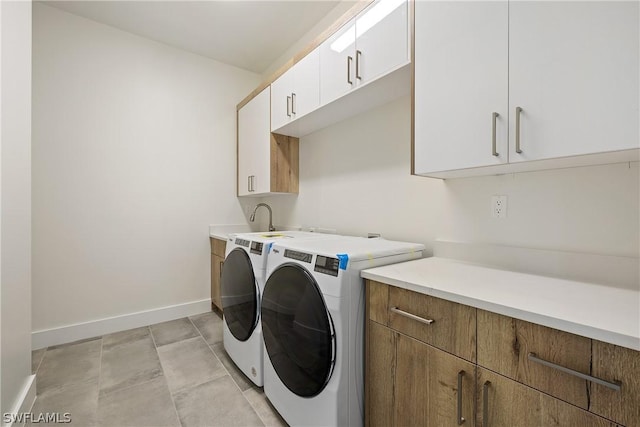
x,y
499,207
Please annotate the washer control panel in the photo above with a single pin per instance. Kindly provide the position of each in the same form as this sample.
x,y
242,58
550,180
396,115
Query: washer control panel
x,y
256,248
327,265
242,242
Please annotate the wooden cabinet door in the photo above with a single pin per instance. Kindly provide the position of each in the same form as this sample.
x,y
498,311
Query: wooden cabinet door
x,y
281,91
426,386
380,375
505,403
382,39
254,145
573,69
616,364
461,80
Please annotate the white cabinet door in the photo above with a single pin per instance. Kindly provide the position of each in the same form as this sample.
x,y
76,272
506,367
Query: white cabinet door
x,y
281,101
461,72
337,63
382,39
573,69
306,87
254,146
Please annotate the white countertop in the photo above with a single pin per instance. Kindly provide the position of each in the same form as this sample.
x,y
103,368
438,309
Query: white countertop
x,y
222,231
600,312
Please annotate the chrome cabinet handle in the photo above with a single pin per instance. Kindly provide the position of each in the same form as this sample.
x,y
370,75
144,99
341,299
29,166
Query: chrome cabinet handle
x,y
349,59
293,104
518,113
485,403
249,183
412,316
494,117
288,111
614,386
358,55
460,417
221,265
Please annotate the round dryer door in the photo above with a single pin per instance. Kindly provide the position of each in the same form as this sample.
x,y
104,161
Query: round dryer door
x,y
298,331
239,294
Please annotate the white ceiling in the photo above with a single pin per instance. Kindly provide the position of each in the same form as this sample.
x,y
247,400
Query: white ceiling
x,y
247,34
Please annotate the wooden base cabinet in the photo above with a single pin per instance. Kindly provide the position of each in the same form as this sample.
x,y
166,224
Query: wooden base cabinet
x,y
218,248
525,374
415,383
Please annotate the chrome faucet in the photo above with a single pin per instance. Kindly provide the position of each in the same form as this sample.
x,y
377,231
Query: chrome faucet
x,y
253,215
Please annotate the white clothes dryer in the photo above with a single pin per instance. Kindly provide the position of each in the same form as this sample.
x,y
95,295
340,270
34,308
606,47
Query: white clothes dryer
x,y
242,283
313,326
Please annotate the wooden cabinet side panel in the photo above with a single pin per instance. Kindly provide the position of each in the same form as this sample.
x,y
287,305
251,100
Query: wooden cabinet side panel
x,y
378,302
504,344
216,273
426,389
284,163
613,363
379,381
513,404
218,246
453,328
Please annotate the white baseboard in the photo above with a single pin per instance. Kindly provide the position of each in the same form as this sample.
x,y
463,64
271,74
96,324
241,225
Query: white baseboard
x,y
66,334
25,401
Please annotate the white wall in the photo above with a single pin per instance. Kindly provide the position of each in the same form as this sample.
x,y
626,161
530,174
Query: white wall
x,y
333,15
134,155
15,202
355,178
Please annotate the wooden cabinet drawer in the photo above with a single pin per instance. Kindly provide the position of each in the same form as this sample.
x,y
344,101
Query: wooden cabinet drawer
x,y
218,246
617,365
443,324
378,302
506,403
505,345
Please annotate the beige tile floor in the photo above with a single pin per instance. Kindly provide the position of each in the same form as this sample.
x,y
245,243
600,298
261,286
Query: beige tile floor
x,y
170,374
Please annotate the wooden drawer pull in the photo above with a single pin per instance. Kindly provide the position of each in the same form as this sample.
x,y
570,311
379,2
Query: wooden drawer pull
x,y
412,316
615,386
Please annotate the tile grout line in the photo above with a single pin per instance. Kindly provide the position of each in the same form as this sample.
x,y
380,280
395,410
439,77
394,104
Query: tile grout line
x,y
99,378
40,362
229,373
155,346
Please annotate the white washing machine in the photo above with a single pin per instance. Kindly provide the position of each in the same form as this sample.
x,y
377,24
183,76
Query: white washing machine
x,y
242,283
313,326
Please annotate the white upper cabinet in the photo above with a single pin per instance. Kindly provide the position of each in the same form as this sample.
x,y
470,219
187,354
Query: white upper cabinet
x,y
372,44
573,69
281,91
296,92
254,145
560,79
461,66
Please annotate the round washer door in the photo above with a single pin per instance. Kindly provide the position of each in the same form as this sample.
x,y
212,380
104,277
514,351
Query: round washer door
x,y
298,331
239,294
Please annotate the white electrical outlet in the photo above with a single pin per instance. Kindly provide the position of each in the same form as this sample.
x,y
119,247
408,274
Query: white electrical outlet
x,y
499,206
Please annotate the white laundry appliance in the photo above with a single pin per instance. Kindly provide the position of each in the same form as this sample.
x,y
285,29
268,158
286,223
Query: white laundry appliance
x,y
313,323
242,283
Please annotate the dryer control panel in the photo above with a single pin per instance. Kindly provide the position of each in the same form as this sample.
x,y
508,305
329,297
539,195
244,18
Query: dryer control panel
x,y
256,248
327,265
298,256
